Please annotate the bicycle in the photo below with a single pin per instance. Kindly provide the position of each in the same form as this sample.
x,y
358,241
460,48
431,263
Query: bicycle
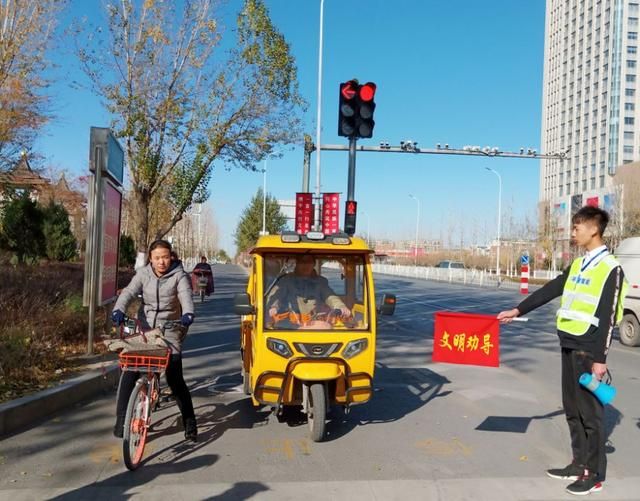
x,y
149,358
202,282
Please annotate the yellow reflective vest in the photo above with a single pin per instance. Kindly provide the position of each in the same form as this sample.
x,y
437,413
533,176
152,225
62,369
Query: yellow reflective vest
x,y
581,296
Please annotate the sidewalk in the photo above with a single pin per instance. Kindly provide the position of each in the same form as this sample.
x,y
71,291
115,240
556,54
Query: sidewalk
x,y
99,374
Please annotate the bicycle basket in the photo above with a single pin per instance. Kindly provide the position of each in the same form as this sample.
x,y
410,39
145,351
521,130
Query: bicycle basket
x,y
203,282
148,360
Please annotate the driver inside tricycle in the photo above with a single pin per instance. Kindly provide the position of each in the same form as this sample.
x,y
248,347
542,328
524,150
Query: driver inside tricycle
x,y
310,291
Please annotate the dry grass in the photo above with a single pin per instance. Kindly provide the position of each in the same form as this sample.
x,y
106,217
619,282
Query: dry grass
x,y
43,326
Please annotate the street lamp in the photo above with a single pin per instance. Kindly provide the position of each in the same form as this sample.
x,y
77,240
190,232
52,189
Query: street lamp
x,y
415,252
264,194
264,198
319,113
499,219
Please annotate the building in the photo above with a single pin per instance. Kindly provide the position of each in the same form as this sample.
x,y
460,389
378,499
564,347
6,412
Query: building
x,y
590,98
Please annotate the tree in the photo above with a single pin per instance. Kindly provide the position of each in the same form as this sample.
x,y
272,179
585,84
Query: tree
x,y
26,31
60,244
250,224
222,256
178,109
22,222
127,251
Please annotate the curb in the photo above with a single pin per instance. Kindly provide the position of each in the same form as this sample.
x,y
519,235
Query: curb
x,y
23,412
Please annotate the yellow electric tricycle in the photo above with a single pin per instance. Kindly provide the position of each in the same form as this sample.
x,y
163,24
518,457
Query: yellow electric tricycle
x,y
308,324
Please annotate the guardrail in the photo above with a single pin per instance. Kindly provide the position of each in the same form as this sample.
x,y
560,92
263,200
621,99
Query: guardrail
x,y
480,278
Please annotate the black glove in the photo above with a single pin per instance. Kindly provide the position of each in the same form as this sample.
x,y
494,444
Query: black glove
x,y
118,317
187,319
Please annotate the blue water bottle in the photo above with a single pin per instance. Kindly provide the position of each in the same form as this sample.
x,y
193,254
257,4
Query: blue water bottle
x,y
604,392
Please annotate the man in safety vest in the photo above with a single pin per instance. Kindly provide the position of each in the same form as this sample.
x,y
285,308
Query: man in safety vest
x,y
592,290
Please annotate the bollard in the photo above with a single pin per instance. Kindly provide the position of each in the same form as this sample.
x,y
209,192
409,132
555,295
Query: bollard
x,y
524,279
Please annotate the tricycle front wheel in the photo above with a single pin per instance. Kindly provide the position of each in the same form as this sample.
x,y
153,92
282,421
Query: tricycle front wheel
x,y
317,415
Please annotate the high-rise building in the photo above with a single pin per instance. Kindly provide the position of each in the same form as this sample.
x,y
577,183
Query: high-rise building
x,y
590,96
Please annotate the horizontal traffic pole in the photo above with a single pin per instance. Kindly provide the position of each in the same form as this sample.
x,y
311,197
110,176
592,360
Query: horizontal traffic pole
x,y
446,151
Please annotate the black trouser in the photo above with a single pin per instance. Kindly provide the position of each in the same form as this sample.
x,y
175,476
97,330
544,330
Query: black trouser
x,y
585,414
175,380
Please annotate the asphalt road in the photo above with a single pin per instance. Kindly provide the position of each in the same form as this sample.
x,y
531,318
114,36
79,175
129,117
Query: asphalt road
x,y
432,431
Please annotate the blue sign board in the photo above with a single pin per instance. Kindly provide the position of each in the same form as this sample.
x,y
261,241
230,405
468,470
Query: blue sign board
x,y
524,259
106,150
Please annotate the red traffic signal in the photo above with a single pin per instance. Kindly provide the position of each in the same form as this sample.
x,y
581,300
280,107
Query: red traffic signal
x,y
367,91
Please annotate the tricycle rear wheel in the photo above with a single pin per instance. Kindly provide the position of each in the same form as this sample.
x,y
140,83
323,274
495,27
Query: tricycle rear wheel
x,y
317,415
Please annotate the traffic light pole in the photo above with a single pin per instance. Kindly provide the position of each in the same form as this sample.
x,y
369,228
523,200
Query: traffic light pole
x,y
309,148
351,182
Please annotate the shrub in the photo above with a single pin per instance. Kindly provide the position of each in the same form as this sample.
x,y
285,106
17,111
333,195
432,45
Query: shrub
x,y
22,222
60,244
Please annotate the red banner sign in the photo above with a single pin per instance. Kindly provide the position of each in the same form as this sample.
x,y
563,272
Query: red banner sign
x,y
464,338
110,239
304,212
330,213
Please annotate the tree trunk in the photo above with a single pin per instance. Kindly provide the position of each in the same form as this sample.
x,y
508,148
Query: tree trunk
x,y
140,220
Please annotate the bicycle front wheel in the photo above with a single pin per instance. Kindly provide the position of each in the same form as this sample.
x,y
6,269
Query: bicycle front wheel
x,y
136,424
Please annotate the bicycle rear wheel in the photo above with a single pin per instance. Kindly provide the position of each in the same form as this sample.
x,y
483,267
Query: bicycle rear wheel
x,y
136,424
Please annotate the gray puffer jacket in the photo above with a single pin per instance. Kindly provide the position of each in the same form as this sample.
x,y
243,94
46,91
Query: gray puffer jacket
x,y
163,298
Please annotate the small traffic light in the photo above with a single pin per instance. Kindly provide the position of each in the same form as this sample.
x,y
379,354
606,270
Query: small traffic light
x,y
355,113
347,109
351,209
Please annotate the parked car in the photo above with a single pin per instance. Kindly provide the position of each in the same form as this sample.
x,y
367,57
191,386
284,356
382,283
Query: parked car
x,y
628,254
451,264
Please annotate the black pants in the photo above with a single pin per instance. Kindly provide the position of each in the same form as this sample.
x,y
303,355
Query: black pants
x,y
175,380
584,412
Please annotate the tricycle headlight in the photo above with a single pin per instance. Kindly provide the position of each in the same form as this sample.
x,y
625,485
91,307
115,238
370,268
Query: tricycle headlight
x,y
279,347
355,347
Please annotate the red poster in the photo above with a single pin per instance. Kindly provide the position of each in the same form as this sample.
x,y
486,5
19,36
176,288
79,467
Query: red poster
x,y
110,239
304,212
592,201
464,338
330,213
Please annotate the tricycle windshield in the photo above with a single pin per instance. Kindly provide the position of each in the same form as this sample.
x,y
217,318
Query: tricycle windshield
x,y
315,291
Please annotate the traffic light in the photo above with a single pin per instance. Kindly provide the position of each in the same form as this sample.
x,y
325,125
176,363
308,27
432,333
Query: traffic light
x,y
351,209
347,108
355,113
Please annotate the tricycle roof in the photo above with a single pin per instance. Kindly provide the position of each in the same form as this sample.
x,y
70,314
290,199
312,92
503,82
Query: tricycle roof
x,y
294,242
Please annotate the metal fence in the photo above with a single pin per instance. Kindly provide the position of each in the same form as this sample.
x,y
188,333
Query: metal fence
x,y
480,278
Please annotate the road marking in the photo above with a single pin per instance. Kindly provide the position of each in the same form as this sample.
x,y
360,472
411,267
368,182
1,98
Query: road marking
x,y
436,447
106,451
287,447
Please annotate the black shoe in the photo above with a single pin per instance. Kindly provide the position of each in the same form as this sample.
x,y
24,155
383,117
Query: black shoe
x,y
569,472
190,430
586,484
118,429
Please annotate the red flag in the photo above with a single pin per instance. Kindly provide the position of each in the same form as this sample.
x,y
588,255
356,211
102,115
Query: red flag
x,y
464,338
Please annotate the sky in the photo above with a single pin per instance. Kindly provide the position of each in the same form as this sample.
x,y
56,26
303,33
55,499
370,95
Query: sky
x,y
460,72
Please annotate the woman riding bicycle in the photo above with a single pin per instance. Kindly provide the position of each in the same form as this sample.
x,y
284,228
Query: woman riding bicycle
x,y
166,296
